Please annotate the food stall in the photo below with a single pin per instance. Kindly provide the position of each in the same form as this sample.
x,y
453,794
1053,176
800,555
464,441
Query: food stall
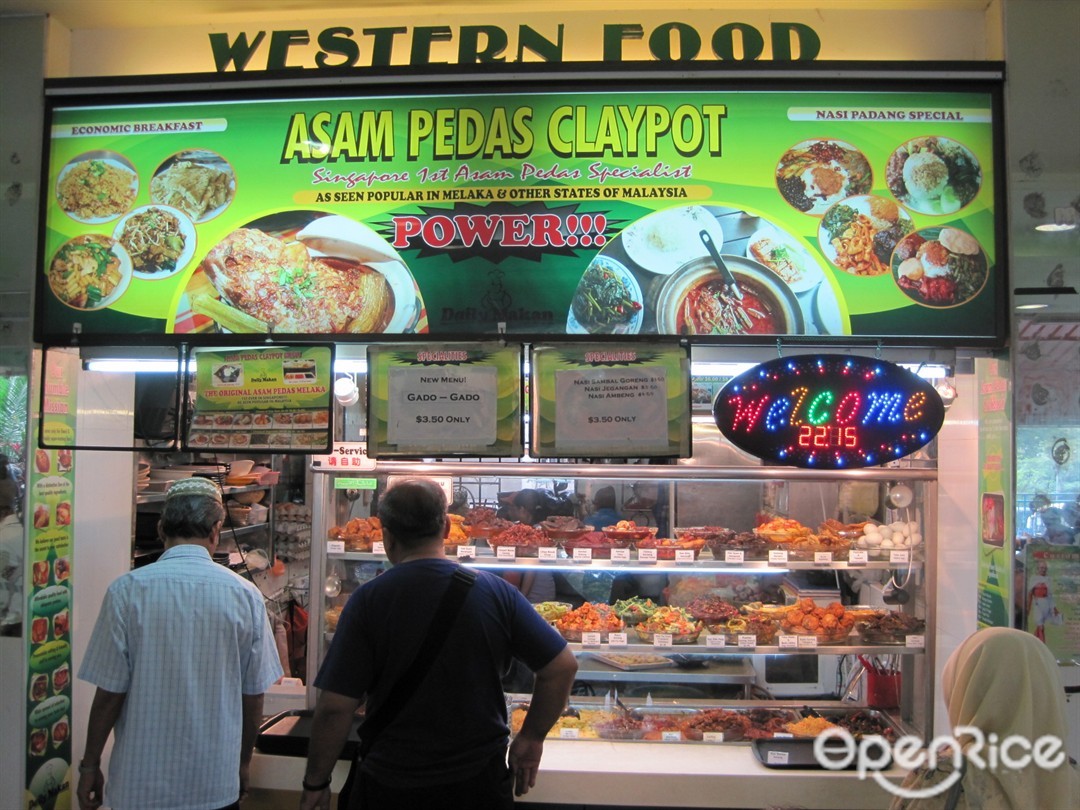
x,y
620,238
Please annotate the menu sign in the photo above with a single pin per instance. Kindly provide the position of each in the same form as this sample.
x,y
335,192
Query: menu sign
x,y
712,215
262,399
451,399
611,400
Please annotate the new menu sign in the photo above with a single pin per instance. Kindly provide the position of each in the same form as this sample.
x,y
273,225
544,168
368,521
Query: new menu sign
x,y
719,216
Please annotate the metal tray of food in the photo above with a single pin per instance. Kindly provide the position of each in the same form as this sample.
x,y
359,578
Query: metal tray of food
x,y
288,733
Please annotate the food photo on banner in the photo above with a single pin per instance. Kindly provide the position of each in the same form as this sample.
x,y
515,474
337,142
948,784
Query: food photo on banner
x,y
827,213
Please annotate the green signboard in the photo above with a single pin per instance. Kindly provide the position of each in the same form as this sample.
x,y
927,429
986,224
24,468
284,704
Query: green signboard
x,y
717,215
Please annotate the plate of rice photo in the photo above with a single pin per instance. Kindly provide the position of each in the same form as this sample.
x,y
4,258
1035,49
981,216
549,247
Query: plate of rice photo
x,y
97,187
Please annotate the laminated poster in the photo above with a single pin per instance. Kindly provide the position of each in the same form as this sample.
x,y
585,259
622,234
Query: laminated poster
x,y
449,399
1052,597
276,399
610,400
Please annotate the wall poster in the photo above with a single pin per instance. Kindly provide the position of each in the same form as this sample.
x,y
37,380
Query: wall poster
x,y
716,215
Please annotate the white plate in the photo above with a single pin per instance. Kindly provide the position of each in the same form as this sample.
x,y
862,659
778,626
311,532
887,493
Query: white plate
x,y
125,270
187,230
810,274
862,205
632,326
664,241
113,159
211,160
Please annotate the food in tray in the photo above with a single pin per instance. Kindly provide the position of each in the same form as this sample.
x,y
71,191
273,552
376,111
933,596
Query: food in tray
x,y
880,539
635,609
608,300
805,547
629,530
563,527
814,174
674,620
456,535
358,534
933,175
836,528
733,725
762,627
600,543
589,618
940,267
711,608
631,661
810,726
830,623
859,234
89,272
551,611
782,530
889,627
197,183
747,542
524,538
706,533
96,189
862,723
621,727
667,546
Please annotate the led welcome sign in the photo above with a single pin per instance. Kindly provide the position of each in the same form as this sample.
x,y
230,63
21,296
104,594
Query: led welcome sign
x,y
829,411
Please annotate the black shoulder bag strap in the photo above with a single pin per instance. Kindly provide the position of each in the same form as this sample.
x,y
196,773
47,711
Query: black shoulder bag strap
x,y
407,684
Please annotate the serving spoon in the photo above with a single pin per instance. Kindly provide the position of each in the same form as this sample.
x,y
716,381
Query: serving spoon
x,y
730,283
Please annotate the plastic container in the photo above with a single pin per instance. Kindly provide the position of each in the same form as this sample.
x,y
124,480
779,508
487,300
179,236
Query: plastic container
x,y
258,513
882,689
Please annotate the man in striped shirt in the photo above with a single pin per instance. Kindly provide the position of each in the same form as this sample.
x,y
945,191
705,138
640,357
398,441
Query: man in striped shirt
x,y
181,655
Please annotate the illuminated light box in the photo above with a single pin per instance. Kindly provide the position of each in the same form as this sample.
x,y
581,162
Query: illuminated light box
x,y
829,411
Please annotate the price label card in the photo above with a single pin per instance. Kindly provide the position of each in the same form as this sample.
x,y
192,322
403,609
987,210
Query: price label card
x,y
548,553
662,640
712,736
807,642
335,546
466,552
378,547
671,736
646,555
712,642
583,555
915,642
788,642
590,639
426,405
684,556
777,757
747,640
822,558
616,640
621,555
783,735
506,552
857,556
777,556
569,733
899,555
735,556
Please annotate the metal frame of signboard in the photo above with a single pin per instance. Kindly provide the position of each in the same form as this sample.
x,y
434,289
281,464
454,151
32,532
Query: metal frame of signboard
x,y
928,77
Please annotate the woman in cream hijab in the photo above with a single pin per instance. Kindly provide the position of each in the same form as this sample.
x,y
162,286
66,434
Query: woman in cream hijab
x,y
1003,682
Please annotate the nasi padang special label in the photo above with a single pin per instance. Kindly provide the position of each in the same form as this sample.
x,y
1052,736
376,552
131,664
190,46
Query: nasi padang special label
x,y
269,399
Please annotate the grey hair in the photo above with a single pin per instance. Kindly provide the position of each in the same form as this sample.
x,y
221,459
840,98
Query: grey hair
x,y
413,512
190,516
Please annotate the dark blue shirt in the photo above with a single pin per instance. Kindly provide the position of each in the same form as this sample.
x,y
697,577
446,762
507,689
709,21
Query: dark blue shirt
x,y
456,722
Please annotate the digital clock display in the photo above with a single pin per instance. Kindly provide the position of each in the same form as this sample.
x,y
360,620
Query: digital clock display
x,y
829,411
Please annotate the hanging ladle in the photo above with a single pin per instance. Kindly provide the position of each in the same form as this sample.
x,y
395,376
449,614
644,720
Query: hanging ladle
x,y
730,284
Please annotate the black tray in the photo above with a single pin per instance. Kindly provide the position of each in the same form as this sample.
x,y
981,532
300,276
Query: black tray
x,y
287,734
798,753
